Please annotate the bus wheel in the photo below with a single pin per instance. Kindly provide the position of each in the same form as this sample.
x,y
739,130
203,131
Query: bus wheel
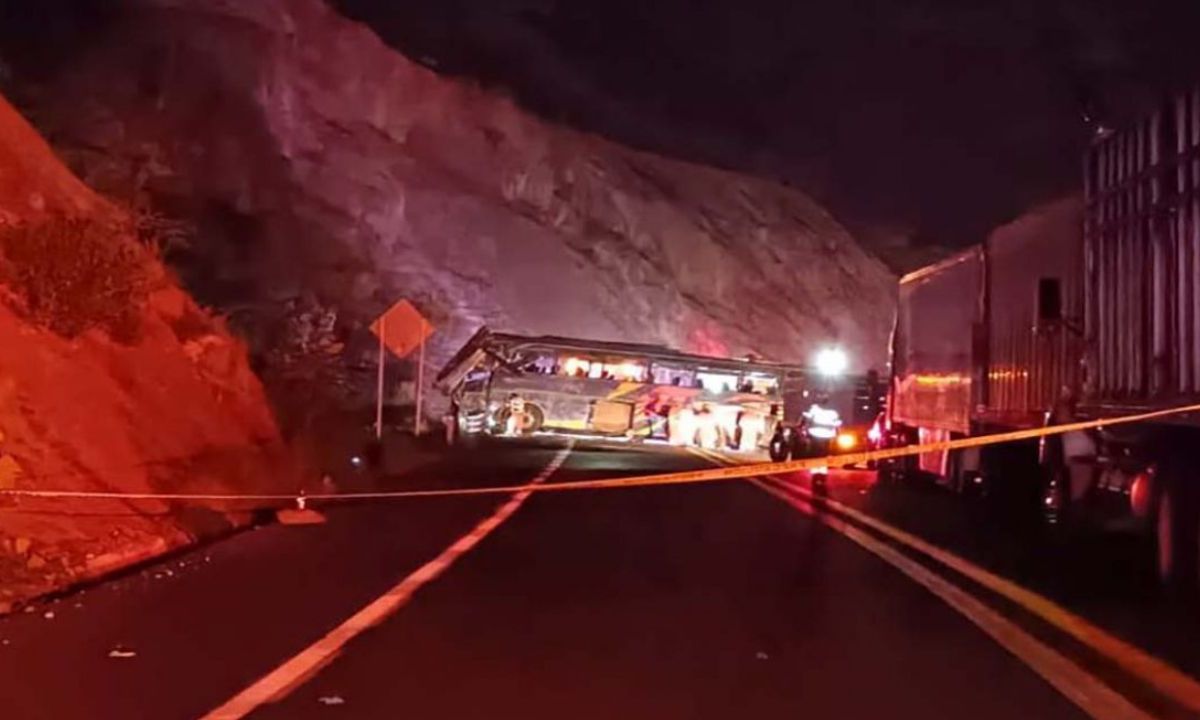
x,y
1177,538
534,419
780,449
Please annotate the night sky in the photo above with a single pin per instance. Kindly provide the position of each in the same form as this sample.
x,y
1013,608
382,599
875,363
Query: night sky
x,y
934,119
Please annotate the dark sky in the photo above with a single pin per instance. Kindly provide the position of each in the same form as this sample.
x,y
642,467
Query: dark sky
x,y
937,118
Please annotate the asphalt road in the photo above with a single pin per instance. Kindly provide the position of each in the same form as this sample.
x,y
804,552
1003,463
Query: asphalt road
x,y
707,601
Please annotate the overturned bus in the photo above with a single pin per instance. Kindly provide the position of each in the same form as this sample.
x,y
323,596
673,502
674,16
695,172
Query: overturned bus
x,y
503,384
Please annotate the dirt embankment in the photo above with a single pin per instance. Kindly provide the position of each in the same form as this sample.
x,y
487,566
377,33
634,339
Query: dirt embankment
x,y
111,379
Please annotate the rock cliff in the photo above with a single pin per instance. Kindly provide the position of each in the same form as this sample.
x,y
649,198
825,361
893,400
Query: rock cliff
x,y
111,380
323,169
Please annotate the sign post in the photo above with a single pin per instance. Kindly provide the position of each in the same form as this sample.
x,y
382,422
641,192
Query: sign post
x,y
402,329
379,380
419,421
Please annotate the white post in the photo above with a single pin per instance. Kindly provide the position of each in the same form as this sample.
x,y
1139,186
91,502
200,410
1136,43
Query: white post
x,y
379,383
418,420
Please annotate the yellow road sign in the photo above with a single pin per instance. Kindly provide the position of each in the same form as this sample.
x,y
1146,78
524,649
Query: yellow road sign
x,y
402,328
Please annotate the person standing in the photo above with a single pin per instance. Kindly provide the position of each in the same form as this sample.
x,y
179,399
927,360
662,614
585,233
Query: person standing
x,y
515,422
751,427
683,428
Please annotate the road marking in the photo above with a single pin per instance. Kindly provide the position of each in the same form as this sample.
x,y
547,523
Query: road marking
x,y
711,475
1076,684
276,684
1171,682
712,456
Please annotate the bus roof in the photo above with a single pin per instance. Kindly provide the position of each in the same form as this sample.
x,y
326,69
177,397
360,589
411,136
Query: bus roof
x,y
486,341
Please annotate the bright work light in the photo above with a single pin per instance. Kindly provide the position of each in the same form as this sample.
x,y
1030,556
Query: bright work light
x,y
831,361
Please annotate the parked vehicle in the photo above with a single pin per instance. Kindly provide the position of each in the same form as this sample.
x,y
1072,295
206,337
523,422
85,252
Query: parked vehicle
x,y
1088,307
849,421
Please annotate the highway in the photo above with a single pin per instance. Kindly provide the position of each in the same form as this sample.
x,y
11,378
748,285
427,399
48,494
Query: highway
x,y
729,599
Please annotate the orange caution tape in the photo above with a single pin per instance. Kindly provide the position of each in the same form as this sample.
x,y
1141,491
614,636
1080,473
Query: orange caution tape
x,y
735,472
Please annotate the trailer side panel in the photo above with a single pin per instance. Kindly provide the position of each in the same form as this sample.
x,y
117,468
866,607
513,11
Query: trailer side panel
x,y
934,344
1142,259
1035,314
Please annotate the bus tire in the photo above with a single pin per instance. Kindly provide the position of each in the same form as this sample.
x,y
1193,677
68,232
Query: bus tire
x,y
535,419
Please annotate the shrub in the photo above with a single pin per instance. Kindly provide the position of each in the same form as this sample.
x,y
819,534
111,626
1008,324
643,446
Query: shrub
x,y
163,236
77,273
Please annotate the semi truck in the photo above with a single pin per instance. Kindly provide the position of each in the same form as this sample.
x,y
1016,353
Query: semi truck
x,y
1087,307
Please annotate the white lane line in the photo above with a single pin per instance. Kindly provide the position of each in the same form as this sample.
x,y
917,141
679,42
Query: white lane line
x,y
291,674
1073,682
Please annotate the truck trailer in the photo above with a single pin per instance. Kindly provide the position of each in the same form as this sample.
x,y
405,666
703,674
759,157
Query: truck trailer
x,y
1084,308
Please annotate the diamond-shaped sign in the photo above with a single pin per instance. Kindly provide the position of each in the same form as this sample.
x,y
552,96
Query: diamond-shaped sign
x,y
402,328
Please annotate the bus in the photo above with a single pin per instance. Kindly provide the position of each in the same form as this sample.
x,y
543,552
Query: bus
x,y
505,385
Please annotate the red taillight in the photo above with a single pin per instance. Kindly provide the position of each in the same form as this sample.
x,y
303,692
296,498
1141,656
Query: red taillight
x,y
1139,492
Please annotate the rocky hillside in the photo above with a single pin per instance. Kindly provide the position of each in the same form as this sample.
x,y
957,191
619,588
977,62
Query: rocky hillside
x,y
111,380
325,171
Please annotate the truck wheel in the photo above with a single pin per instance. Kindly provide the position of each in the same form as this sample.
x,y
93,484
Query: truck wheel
x,y
895,471
953,480
1055,492
1176,539
886,472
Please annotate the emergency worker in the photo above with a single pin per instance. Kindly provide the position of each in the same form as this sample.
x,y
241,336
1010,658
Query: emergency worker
x,y
751,427
821,420
683,426
821,424
1078,447
707,432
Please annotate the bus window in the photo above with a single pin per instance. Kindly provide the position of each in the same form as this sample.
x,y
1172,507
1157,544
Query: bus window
x,y
672,375
535,362
628,371
625,370
717,382
760,383
576,367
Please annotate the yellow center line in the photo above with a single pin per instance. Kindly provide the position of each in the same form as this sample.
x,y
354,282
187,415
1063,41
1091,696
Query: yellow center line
x,y
1175,684
1088,692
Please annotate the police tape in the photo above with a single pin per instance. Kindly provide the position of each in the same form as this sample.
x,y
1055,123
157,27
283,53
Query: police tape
x,y
734,472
